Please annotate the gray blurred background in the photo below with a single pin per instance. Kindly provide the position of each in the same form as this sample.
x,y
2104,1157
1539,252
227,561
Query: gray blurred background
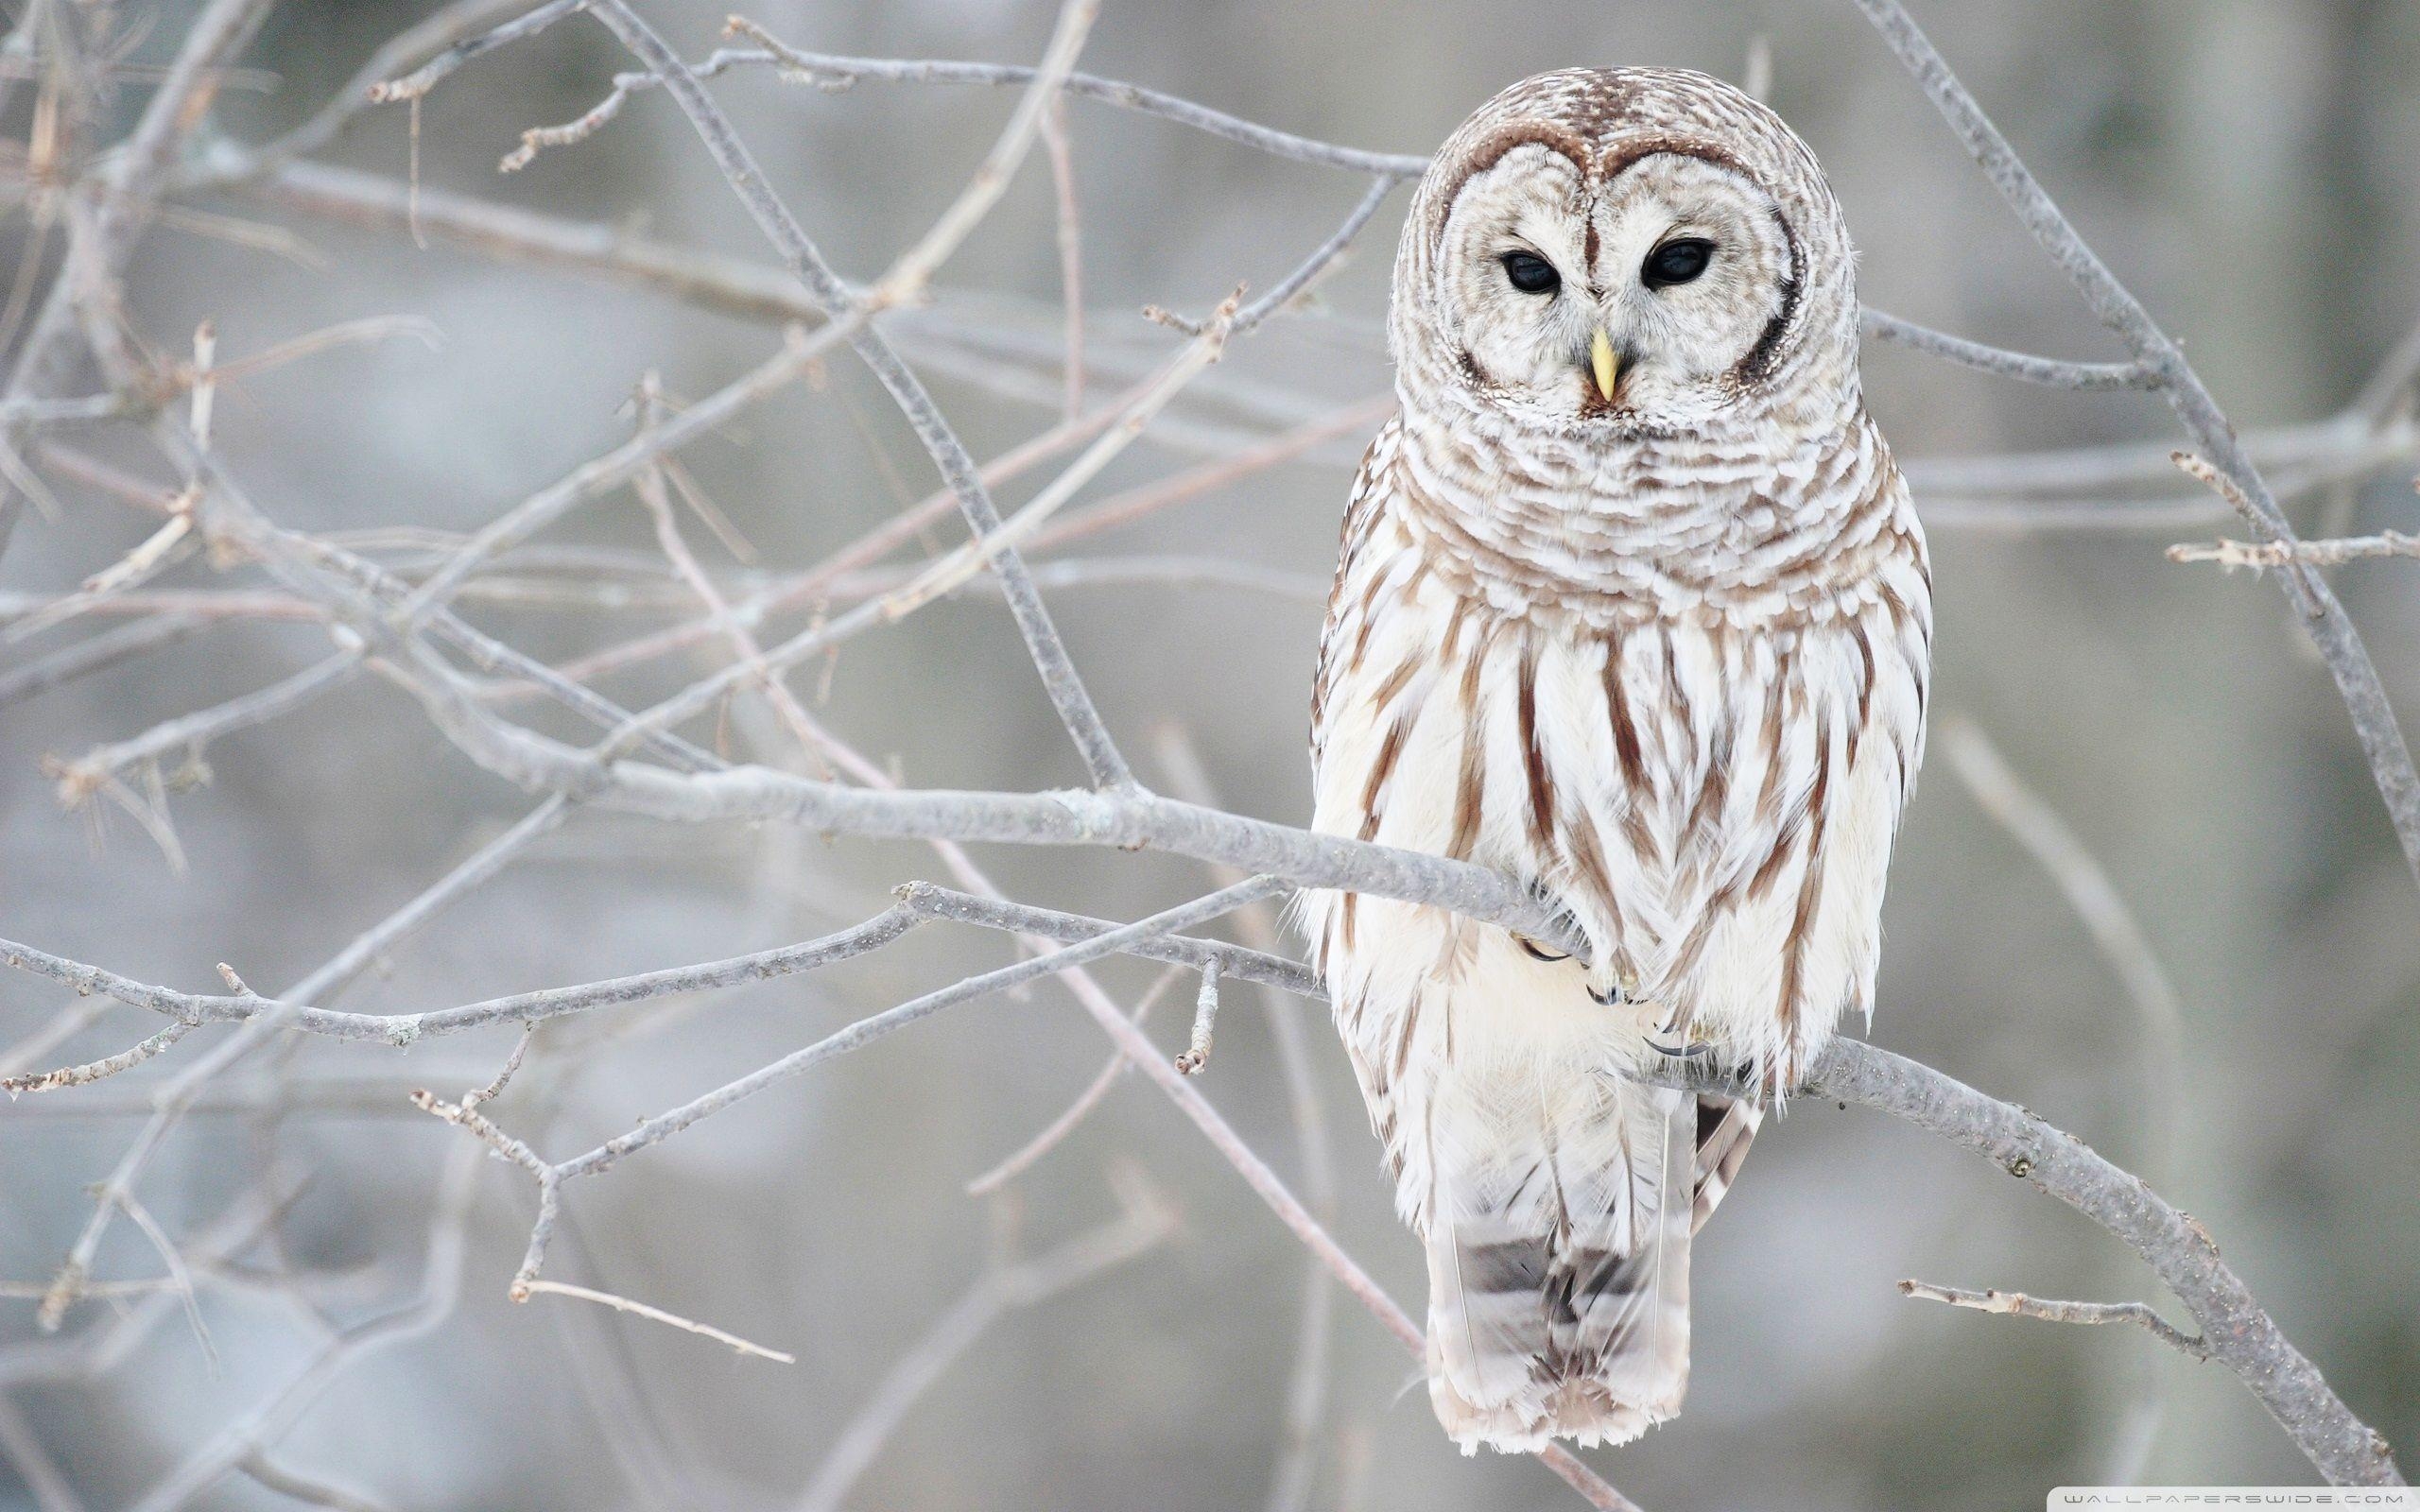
x,y
2247,168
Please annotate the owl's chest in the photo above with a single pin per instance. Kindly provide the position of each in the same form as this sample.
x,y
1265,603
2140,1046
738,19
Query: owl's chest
x,y
1661,778
1571,752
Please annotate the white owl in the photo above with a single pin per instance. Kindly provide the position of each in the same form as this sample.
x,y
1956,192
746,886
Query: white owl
x,y
1632,606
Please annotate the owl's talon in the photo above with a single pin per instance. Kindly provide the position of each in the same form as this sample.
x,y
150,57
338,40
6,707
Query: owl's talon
x,y
1538,952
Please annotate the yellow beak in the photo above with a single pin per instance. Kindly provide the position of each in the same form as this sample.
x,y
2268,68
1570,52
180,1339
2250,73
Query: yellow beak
x,y
1603,362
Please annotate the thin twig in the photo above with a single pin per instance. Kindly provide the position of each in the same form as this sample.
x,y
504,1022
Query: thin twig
x,y
1205,1021
799,352
2266,554
1059,149
1324,259
417,84
828,69
402,1029
624,1304
191,733
904,283
180,1278
1054,1133
2006,363
93,1070
308,1489
999,1291
2086,886
65,1025
2017,1304
955,569
865,1031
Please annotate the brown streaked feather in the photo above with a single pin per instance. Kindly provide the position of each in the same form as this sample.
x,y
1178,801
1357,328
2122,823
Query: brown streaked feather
x,y
1470,790
1533,761
1726,1126
1864,686
1383,768
1810,889
1618,714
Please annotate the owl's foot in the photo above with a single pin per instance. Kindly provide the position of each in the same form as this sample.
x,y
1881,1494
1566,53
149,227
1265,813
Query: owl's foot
x,y
1680,1038
1610,997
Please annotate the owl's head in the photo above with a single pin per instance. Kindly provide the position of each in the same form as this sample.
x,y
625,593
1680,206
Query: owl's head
x,y
1627,252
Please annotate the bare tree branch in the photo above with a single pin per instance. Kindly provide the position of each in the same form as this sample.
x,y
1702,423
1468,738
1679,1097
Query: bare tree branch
x,y
2244,1338
79,778
400,1029
388,601
125,190
2241,1335
2330,628
1101,759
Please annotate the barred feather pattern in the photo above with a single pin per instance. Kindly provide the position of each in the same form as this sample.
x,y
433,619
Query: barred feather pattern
x,y
1675,679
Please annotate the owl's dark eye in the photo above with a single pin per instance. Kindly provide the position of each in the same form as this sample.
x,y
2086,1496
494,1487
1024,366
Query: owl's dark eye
x,y
1676,262
1531,273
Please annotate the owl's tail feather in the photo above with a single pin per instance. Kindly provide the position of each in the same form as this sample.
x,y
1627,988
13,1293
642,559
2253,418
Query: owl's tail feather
x,y
1558,1272
1725,1127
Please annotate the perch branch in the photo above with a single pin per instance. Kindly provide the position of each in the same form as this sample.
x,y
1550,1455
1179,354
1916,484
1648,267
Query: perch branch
x,y
2242,1337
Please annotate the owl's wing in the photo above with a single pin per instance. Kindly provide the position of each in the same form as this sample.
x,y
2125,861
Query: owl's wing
x,y
1361,512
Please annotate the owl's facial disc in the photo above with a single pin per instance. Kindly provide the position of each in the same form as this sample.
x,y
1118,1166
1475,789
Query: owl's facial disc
x,y
1646,301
